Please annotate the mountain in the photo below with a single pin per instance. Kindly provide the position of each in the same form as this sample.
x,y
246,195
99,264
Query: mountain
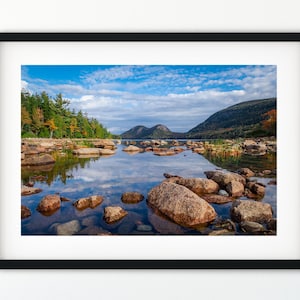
x,y
156,132
240,120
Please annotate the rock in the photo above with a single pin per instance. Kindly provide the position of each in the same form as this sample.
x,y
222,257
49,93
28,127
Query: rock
x,y
180,204
223,193
267,172
165,153
105,144
68,228
49,203
46,145
114,214
256,188
218,199
272,182
248,210
25,212
252,227
132,197
106,151
22,156
132,148
226,224
245,172
38,160
223,178
221,232
272,224
93,230
143,227
90,202
199,186
87,151
26,190
64,199
90,221
235,188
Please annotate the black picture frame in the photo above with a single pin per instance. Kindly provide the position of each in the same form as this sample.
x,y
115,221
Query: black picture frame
x,y
150,264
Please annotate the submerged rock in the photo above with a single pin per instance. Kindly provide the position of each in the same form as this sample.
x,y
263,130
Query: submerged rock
x,y
181,204
49,203
68,228
248,210
132,197
114,213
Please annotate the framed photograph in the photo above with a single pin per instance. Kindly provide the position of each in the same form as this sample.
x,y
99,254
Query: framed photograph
x,y
149,150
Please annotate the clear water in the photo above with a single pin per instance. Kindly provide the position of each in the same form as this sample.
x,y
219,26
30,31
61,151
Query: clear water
x,y
110,176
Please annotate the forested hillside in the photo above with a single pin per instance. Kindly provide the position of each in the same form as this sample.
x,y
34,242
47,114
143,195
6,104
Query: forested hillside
x,y
46,117
246,119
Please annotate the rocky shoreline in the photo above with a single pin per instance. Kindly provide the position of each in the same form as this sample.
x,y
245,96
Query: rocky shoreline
x,y
186,202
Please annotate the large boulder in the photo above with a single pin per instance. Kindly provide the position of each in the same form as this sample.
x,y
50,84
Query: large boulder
x,y
181,204
132,197
199,186
90,202
37,160
248,210
49,203
223,178
114,213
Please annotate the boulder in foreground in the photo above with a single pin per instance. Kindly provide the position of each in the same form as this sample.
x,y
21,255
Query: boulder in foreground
x,y
180,204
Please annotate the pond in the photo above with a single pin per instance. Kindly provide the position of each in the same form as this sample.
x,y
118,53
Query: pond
x,y
110,176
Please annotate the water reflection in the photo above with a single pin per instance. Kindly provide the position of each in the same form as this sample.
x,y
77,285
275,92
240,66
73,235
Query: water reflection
x,y
75,177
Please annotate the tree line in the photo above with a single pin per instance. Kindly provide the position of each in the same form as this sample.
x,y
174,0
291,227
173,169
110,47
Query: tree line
x,y
47,117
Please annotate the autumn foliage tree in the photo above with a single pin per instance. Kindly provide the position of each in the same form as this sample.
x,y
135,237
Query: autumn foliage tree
x,y
269,123
43,116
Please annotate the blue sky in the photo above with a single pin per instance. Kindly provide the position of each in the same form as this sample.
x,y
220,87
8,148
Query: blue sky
x,y
178,96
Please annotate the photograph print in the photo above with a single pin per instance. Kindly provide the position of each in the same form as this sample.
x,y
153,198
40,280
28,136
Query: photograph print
x,y
148,150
